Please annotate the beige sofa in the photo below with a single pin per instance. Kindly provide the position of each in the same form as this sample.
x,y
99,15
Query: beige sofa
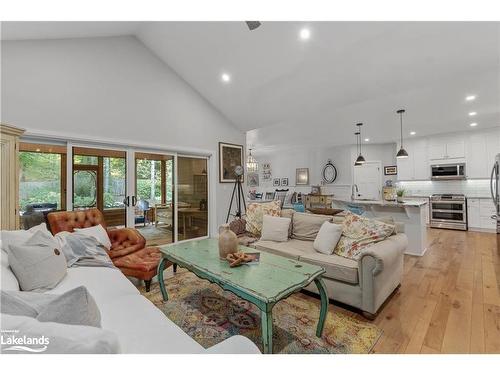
x,y
365,283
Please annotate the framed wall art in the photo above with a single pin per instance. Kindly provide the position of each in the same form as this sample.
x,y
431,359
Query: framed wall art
x,y
390,170
253,179
230,156
276,182
302,176
284,181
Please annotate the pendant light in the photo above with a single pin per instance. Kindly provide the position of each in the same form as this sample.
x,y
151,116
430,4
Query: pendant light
x,y
402,152
357,148
252,165
360,159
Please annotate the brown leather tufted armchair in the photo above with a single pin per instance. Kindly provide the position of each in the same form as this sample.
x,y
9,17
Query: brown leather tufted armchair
x,y
128,247
123,241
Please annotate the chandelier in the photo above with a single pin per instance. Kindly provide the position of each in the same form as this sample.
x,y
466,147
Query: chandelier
x,y
252,165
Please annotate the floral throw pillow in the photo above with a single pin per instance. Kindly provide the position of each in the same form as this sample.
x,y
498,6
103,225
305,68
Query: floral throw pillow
x,y
358,232
256,212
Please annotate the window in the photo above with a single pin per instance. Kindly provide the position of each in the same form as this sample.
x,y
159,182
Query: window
x,y
42,181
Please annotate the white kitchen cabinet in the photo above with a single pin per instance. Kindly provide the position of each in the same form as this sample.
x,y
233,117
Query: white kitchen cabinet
x,y
416,165
476,164
479,212
473,217
481,149
448,148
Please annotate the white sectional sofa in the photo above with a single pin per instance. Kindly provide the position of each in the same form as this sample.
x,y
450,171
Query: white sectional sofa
x,y
141,328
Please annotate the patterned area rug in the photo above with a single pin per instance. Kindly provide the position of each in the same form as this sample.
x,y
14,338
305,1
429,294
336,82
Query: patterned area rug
x,y
210,315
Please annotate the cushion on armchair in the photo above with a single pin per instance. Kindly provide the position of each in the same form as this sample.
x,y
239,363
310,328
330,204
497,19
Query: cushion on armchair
x,y
125,241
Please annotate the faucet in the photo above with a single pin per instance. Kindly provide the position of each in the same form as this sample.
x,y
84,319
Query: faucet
x,y
353,194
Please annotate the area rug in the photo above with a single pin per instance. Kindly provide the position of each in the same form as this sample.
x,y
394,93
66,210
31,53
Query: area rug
x,y
210,315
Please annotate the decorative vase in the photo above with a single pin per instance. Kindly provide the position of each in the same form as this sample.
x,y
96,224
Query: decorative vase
x,y
228,241
400,200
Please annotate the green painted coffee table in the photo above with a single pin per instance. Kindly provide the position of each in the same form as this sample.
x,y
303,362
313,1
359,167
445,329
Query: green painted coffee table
x,y
265,284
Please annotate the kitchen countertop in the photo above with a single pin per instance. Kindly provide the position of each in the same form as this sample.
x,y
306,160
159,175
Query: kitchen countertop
x,y
406,203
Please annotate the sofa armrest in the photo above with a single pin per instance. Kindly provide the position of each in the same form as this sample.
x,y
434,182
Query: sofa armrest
x,y
125,241
384,252
380,270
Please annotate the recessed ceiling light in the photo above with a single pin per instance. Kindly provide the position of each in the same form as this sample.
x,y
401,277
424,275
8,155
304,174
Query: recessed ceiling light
x,y
470,98
367,139
413,133
472,113
225,77
305,34
473,124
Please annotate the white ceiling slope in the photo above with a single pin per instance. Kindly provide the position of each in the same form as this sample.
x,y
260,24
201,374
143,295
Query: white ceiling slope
x,y
294,92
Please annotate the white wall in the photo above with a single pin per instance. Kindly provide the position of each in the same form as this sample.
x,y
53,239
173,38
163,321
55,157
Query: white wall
x,y
284,162
109,89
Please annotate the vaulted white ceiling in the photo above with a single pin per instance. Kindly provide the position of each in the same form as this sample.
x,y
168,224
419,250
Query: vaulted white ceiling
x,y
289,91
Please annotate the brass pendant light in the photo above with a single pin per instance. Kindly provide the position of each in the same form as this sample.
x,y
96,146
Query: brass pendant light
x,y
402,152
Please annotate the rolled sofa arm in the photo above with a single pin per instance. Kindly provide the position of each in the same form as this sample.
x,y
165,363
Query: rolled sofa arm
x,y
380,268
125,241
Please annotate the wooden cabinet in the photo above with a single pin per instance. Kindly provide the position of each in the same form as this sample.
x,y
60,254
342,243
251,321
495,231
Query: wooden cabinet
x,y
318,201
9,179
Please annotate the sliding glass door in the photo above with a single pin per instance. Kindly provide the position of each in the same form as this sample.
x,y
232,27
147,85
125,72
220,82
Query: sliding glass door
x,y
164,196
192,193
99,180
154,197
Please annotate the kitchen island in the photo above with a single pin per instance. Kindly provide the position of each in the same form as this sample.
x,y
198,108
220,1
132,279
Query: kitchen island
x,y
412,213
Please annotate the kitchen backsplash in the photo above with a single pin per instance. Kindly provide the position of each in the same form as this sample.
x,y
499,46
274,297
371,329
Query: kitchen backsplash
x,y
471,188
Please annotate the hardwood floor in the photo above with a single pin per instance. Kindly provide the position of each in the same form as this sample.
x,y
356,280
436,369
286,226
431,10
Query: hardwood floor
x,y
449,301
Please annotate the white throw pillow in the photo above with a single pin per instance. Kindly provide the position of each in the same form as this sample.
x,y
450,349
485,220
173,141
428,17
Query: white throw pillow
x,y
327,238
8,279
99,233
275,228
38,264
58,338
17,237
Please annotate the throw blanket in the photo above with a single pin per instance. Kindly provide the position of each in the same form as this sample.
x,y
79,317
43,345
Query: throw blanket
x,y
81,250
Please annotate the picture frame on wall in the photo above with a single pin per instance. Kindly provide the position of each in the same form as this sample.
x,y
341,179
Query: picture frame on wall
x,y
390,170
230,156
276,182
302,176
253,179
284,181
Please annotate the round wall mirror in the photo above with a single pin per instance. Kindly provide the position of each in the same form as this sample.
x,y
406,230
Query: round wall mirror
x,y
329,172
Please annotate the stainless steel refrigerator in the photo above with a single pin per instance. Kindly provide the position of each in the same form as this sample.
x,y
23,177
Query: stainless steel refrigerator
x,y
495,189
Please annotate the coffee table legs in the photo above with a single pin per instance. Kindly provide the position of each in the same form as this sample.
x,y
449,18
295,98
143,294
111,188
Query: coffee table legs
x,y
160,279
266,318
324,305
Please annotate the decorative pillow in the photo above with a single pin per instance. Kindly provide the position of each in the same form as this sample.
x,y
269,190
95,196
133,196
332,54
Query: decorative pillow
x,y
275,228
9,280
327,238
238,226
38,264
306,226
256,212
76,306
60,338
99,233
82,250
358,232
16,237
288,212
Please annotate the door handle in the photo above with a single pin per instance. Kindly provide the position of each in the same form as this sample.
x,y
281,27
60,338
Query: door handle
x,y
134,200
126,201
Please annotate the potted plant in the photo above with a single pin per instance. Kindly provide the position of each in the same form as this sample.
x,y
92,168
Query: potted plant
x,y
400,193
